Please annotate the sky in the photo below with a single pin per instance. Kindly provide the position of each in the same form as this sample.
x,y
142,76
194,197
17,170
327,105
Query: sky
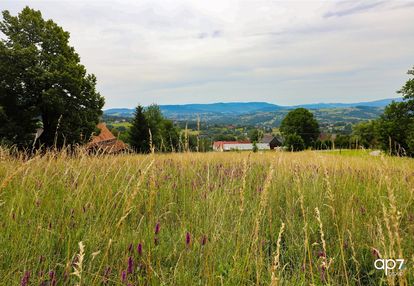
x,y
199,51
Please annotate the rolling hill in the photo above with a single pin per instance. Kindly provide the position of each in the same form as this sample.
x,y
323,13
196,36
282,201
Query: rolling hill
x,y
225,109
263,113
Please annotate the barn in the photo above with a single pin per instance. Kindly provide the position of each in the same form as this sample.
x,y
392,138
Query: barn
x,y
273,141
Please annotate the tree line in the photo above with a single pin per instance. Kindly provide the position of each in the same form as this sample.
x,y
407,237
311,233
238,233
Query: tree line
x,y
392,132
151,132
47,98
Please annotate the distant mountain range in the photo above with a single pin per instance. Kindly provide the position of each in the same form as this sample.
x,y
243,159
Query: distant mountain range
x,y
240,108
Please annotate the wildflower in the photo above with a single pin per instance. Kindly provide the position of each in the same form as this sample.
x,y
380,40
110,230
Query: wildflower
x,y
106,275
204,240
130,265
123,276
321,254
25,279
52,277
65,275
187,239
157,228
139,249
323,272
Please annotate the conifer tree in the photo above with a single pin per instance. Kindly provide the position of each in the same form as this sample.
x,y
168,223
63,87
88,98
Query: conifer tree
x,y
139,131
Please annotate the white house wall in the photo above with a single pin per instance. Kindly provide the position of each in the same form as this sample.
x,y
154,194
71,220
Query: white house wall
x,y
245,146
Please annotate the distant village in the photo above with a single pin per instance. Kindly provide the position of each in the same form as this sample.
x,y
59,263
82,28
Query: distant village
x,y
107,142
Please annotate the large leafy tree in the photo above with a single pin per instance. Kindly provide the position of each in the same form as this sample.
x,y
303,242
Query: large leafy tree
x,y
43,84
301,122
366,133
396,125
139,132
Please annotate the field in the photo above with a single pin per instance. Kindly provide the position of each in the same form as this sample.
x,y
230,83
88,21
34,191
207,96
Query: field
x,y
205,219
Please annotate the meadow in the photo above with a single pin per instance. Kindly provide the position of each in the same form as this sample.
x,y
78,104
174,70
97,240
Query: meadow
x,y
273,218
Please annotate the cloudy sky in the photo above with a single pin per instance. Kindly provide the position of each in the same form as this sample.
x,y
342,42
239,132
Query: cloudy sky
x,y
199,51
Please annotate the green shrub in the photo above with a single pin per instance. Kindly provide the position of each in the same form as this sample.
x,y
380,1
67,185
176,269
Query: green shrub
x,y
294,143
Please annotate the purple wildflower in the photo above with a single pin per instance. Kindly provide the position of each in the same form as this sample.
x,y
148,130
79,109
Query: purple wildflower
x,y
52,277
65,275
188,239
130,265
139,248
157,228
25,279
123,276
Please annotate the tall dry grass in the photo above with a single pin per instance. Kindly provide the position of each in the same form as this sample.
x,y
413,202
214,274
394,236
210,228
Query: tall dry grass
x,y
204,219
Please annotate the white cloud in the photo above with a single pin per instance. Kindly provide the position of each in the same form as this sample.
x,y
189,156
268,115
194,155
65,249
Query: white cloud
x,y
286,52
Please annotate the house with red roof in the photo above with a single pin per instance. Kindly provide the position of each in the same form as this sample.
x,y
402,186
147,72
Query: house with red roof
x,y
238,145
106,142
